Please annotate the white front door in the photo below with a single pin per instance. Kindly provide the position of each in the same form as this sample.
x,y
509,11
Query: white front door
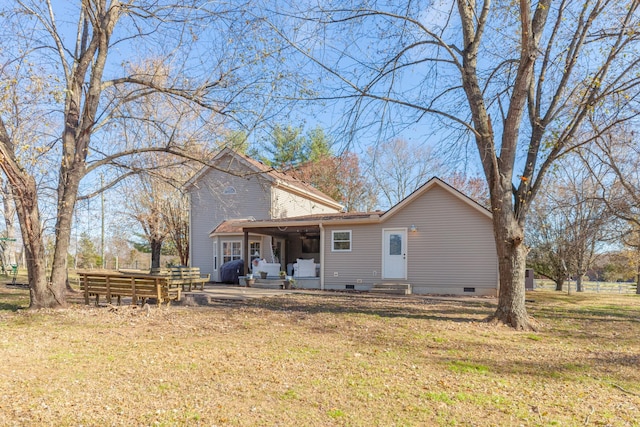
x,y
394,253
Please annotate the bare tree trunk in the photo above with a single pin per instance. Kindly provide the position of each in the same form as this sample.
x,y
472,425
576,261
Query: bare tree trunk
x,y
184,256
11,248
156,250
580,268
84,87
579,282
559,284
42,295
68,193
26,200
512,257
509,203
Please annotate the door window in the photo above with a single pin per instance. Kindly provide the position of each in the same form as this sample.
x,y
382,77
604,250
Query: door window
x,y
395,244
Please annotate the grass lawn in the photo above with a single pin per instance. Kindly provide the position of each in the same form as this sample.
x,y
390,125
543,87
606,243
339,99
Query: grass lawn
x,y
322,359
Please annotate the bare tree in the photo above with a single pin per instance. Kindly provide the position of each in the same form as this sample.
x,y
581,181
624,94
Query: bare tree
x,y
398,168
25,146
193,61
176,217
619,152
569,221
518,78
145,201
154,200
548,245
631,240
472,186
341,178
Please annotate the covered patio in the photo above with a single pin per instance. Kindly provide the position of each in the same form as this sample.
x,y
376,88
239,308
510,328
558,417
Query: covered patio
x,y
303,237
301,240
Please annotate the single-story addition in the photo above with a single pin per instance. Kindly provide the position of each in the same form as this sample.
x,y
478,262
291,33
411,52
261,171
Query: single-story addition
x,y
437,239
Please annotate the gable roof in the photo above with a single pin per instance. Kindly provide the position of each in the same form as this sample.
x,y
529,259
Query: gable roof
x,y
364,217
276,177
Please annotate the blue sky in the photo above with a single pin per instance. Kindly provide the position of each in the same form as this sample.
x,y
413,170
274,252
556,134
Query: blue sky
x,y
201,60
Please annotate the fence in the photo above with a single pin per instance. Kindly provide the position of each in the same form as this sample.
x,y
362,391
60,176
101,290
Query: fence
x,y
594,287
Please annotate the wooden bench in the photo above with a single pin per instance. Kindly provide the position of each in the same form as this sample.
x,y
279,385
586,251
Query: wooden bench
x,y
137,286
183,276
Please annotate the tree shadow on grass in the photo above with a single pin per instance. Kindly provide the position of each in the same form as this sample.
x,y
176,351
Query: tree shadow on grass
x,y
5,306
562,371
425,308
591,313
13,299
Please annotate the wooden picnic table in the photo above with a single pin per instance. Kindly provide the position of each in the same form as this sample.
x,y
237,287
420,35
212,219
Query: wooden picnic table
x,y
138,286
183,276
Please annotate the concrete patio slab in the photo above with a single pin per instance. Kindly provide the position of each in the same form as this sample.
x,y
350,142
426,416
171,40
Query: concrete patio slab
x,y
230,292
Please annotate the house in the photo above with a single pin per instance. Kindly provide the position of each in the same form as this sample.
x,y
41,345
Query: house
x,y
437,239
234,187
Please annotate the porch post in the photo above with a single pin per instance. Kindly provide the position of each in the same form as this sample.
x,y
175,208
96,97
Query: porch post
x,y
246,256
321,257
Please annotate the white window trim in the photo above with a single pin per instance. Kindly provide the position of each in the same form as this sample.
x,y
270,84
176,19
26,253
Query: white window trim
x,y
231,242
215,255
255,243
333,241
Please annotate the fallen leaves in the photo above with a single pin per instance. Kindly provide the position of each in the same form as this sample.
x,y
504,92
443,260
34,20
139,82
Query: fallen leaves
x,y
321,359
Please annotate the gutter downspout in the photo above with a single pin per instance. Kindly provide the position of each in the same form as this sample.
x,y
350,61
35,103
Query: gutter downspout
x,y
322,266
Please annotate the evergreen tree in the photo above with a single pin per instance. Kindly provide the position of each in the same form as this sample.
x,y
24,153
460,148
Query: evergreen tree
x,y
237,141
318,145
287,147
87,254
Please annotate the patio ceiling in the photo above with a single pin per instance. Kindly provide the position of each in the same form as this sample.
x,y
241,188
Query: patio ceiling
x,y
285,231
303,225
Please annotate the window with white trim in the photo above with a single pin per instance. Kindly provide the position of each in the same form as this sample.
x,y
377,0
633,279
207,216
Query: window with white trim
x,y
231,251
341,241
254,249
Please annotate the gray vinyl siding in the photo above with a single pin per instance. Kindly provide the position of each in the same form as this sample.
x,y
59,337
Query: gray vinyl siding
x,y
363,262
453,248
209,207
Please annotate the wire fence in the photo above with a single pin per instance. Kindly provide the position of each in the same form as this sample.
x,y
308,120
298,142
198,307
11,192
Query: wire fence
x,y
592,287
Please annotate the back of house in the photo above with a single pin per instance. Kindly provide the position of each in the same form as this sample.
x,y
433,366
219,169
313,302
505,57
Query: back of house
x,y
435,241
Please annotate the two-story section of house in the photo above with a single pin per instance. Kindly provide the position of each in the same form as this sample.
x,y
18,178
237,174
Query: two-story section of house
x,y
237,187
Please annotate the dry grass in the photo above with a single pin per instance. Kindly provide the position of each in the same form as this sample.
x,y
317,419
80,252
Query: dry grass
x,y
322,359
